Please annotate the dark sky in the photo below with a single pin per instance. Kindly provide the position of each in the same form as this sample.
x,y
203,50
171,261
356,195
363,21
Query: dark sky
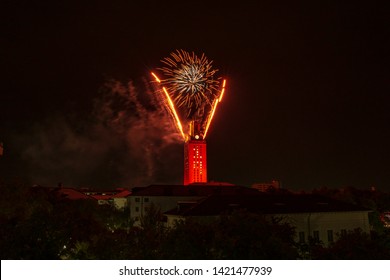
x,y
307,99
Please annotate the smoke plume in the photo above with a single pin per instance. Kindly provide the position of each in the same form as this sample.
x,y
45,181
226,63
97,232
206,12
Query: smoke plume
x,y
127,140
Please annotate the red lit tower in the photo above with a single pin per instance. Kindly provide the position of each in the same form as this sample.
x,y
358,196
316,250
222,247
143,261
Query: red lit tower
x,y
191,93
195,156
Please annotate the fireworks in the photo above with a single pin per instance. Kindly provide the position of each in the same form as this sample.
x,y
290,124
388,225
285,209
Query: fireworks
x,y
191,91
190,79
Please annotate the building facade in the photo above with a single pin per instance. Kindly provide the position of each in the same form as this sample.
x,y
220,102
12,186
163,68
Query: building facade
x,y
195,162
325,227
314,218
168,197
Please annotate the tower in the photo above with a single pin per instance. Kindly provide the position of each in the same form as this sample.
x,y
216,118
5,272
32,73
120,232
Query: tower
x,y
191,93
195,156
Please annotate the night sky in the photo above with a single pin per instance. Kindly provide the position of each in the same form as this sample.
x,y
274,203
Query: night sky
x,y
307,99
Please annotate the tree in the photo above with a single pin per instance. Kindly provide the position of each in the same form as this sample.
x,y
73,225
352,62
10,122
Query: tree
x,y
188,239
149,236
245,235
356,245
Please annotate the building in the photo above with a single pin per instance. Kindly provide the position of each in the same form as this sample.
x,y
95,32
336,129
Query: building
x,y
117,198
195,156
264,187
71,194
167,197
314,217
195,162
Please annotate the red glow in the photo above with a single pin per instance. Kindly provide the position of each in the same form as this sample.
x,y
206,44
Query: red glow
x,y
195,162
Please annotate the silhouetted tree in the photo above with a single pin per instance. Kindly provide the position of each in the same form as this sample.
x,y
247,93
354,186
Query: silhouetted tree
x,y
38,224
244,235
188,239
356,245
149,236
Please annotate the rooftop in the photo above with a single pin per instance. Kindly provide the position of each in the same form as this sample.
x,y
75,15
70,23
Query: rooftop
x,y
193,190
265,204
70,193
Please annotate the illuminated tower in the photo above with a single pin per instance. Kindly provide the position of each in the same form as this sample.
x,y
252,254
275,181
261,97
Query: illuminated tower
x,y
195,156
191,93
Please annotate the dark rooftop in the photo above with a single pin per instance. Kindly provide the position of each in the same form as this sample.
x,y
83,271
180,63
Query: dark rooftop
x,y
265,204
193,190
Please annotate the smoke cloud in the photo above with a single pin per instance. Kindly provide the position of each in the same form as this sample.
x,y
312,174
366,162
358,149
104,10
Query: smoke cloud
x,y
127,140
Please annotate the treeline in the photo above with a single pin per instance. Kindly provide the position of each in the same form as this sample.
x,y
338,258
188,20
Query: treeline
x,y
37,224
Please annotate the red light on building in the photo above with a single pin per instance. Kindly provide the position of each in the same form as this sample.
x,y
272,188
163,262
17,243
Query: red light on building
x,y
195,162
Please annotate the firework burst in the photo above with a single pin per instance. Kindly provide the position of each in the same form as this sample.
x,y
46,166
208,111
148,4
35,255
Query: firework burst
x,y
190,92
190,79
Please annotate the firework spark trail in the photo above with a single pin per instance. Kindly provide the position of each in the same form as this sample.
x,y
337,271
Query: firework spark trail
x,y
191,91
171,107
211,115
